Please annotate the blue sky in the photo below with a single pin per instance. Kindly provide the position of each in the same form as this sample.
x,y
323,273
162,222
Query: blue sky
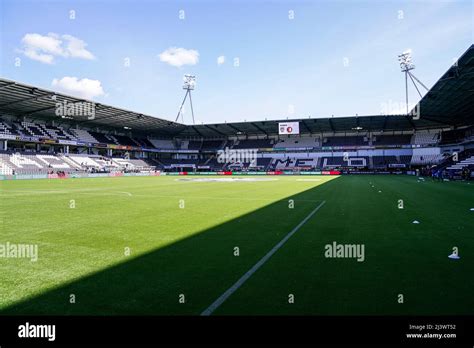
x,y
330,58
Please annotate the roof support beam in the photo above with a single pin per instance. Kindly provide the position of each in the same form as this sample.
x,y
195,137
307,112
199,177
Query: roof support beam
x,y
235,128
38,110
105,117
26,99
318,124
215,130
384,123
370,123
331,125
436,121
306,126
197,131
8,84
259,128
410,121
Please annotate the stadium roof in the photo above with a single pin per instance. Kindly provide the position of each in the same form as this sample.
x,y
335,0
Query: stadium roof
x,y
37,103
449,103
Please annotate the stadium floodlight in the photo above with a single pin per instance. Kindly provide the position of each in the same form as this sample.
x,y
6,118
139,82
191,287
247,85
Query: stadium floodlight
x,y
406,64
189,82
189,85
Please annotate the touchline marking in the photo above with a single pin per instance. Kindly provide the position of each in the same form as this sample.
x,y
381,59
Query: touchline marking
x,y
259,264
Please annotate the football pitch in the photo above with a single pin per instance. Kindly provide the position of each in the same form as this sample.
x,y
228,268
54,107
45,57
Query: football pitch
x,y
241,245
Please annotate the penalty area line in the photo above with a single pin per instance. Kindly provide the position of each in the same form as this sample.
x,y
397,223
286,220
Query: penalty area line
x,y
259,264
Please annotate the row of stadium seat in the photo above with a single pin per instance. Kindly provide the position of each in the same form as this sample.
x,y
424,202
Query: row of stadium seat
x,y
425,138
419,138
22,163
422,138
298,142
468,162
339,161
29,129
31,163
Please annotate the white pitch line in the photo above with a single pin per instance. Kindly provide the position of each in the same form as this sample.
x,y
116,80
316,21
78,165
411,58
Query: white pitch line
x,y
259,264
112,193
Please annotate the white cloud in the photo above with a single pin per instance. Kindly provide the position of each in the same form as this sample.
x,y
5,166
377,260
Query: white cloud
x,y
179,56
40,57
42,48
82,88
220,60
76,48
45,48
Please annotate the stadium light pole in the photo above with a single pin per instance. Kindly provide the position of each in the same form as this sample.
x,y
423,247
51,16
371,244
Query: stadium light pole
x,y
406,64
189,85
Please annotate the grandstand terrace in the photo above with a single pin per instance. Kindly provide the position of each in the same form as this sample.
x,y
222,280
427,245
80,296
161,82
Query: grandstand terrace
x,y
35,140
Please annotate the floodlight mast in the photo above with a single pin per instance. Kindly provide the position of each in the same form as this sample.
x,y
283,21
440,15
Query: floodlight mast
x,y
189,85
407,65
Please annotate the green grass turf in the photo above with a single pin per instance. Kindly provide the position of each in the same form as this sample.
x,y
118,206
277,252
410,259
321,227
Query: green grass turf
x,y
190,250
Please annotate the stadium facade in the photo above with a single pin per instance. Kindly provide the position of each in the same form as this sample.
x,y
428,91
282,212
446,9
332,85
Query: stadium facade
x,y
47,134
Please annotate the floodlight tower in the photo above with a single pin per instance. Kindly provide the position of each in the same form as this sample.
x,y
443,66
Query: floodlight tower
x,y
189,85
407,65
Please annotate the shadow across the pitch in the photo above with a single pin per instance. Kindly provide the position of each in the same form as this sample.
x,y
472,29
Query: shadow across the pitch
x,y
183,278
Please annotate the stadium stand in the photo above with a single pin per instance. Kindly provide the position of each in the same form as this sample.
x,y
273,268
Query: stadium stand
x,y
425,138
5,169
291,163
300,142
144,142
383,161
335,162
263,163
453,136
426,156
212,145
253,144
392,139
43,142
55,162
85,161
33,130
468,162
83,135
6,129
102,138
259,164
179,162
22,164
163,144
404,159
57,133
194,145
124,140
182,144
130,163
344,141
